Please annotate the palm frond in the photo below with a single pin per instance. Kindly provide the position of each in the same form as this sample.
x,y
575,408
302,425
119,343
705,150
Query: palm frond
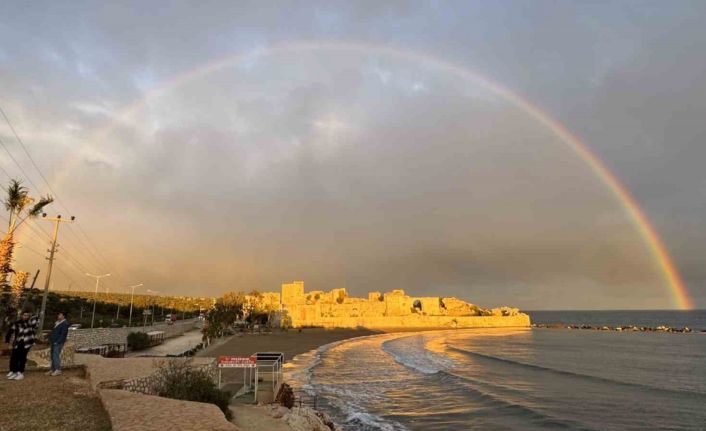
x,y
38,208
16,195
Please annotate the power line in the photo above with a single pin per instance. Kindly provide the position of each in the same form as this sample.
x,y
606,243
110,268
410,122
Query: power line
x,y
89,243
18,164
40,254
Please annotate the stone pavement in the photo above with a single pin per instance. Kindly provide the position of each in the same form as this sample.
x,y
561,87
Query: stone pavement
x,y
136,412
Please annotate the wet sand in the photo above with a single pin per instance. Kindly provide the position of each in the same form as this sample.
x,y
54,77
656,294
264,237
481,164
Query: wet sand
x,y
291,342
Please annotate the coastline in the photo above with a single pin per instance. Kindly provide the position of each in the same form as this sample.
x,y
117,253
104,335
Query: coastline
x,y
291,343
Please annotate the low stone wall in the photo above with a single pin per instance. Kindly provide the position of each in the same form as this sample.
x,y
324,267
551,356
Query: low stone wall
x,y
418,321
146,385
98,336
42,357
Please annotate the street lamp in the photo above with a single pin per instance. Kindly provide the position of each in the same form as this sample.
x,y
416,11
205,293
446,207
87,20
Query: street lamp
x,y
155,292
98,278
132,294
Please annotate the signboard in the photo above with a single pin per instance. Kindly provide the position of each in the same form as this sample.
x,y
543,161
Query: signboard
x,y
236,362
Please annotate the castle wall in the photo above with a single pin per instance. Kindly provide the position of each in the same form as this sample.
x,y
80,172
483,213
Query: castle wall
x,y
394,309
430,306
293,293
416,321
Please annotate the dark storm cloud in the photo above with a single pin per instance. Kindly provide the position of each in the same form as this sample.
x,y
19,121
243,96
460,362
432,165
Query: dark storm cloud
x,y
363,171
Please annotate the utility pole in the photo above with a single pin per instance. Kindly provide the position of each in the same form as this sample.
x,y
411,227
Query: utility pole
x,y
29,294
57,221
132,295
34,280
95,296
156,293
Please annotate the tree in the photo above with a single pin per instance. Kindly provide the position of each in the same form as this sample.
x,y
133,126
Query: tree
x,y
18,285
21,207
234,300
225,312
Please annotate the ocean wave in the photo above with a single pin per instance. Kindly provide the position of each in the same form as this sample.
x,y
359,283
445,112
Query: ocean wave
x,y
411,353
416,357
507,406
369,422
347,401
299,370
574,374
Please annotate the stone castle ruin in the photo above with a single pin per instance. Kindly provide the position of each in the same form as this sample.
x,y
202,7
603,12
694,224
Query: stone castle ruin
x,y
335,309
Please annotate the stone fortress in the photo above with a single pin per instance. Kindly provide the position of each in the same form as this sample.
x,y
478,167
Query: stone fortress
x,y
335,309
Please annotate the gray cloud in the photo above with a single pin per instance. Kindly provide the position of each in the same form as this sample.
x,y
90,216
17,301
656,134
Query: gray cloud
x,y
362,170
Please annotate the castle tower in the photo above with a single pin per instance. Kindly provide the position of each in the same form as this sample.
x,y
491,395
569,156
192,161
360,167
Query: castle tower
x,y
293,293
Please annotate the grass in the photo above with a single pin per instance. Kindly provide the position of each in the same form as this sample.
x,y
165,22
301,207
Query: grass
x,y
41,402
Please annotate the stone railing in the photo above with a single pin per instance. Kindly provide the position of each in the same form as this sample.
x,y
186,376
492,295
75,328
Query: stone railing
x,y
43,356
98,336
146,385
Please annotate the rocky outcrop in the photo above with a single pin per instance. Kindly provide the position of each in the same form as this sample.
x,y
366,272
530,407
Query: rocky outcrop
x,y
456,307
305,419
632,328
505,311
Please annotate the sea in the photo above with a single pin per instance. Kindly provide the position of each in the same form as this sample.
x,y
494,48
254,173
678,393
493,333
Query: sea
x,y
516,379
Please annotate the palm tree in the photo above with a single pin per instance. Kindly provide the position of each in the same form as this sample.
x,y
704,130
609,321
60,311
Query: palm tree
x,y
21,207
18,286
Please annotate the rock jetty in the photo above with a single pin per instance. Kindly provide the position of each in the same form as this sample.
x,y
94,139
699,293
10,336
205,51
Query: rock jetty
x,y
661,328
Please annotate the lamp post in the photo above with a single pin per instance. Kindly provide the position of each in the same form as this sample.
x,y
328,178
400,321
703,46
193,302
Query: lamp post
x,y
98,279
155,292
132,295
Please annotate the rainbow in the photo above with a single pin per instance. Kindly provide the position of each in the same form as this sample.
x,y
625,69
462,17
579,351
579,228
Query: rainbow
x,y
658,251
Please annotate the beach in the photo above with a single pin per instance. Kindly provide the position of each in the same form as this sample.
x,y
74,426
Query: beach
x,y
290,343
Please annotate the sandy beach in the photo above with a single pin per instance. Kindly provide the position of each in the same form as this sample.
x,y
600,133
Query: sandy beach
x,y
291,342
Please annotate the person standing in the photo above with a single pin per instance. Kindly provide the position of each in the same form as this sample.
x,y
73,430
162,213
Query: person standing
x,y
57,338
23,332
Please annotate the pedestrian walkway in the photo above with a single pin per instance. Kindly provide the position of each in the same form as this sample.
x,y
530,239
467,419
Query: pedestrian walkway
x,y
171,346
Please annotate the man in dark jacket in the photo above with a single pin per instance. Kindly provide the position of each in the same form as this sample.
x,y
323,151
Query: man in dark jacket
x,y
57,338
23,332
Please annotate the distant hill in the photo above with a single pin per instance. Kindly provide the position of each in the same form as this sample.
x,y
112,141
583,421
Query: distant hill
x,y
176,303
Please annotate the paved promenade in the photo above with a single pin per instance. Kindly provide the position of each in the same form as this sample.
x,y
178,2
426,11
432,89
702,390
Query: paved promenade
x,y
171,346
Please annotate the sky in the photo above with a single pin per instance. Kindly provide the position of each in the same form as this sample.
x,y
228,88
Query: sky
x,y
225,146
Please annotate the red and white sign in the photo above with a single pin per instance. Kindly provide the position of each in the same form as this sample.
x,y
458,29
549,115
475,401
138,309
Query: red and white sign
x,y
236,362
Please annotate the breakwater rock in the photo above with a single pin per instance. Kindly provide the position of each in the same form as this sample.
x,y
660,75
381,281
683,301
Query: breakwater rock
x,y
661,328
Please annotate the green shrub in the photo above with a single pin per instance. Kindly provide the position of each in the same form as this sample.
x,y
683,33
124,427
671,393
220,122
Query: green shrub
x,y
180,380
138,340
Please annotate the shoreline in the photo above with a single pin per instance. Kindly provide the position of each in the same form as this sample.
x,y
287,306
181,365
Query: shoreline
x,y
291,343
